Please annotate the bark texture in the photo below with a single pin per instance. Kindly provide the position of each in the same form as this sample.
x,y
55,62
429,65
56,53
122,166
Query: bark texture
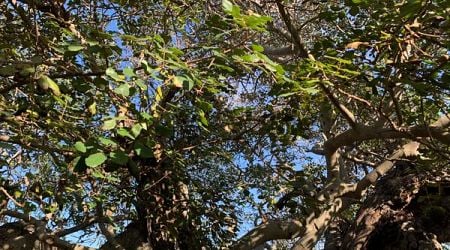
x,y
408,209
16,235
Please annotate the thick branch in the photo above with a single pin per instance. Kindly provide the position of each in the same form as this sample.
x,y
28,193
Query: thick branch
x,y
436,130
409,149
333,166
318,225
107,230
340,195
40,231
87,223
271,230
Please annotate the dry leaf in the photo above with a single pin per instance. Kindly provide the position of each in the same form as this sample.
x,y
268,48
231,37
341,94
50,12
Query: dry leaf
x,y
355,45
411,149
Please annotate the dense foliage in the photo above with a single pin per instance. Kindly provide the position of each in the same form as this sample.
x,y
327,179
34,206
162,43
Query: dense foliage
x,y
184,124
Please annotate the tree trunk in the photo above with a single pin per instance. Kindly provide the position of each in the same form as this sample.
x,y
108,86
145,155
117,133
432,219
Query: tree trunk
x,y
408,209
163,207
334,233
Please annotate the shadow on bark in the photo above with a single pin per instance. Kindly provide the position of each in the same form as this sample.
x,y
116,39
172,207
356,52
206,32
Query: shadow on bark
x,y
21,236
408,209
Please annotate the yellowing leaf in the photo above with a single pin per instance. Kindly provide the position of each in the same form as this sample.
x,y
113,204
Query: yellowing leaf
x,y
92,107
159,94
177,81
17,194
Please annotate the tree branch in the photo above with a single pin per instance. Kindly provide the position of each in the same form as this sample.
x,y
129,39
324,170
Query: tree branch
x,y
348,115
302,52
436,130
409,149
279,52
107,231
340,197
5,192
271,230
89,222
40,233
35,145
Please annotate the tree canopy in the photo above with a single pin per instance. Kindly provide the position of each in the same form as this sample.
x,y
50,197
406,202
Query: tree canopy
x,y
222,124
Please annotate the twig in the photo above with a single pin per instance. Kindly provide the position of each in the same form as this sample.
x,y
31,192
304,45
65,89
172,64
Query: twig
x,y
348,115
10,197
295,36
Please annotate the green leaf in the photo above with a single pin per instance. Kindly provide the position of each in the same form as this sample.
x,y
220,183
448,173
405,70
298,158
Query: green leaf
x,y
256,22
140,83
357,2
92,42
36,59
288,94
236,13
146,67
205,106
146,116
257,48
253,58
46,82
75,47
177,81
142,150
124,133
136,130
98,174
339,59
109,124
28,70
128,72
311,90
227,5
107,142
202,117
123,89
188,84
113,74
410,8
95,160
119,157
79,146
101,83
